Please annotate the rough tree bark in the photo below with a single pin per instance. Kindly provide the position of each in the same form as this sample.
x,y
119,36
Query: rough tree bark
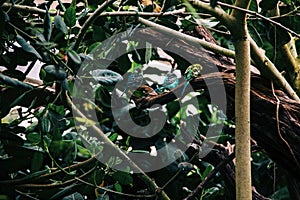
x,y
240,36
282,145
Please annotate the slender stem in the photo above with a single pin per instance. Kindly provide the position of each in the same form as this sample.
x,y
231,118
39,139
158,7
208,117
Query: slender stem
x,y
31,9
118,151
207,45
89,21
115,192
250,12
56,185
269,70
265,66
210,176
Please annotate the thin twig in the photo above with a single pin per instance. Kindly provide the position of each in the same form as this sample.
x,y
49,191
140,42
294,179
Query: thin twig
x,y
89,21
257,15
35,10
116,192
26,195
55,172
119,152
29,9
56,185
207,45
286,14
278,126
210,176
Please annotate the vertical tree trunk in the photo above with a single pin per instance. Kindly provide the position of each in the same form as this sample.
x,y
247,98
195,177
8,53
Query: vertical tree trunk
x,y
242,113
242,102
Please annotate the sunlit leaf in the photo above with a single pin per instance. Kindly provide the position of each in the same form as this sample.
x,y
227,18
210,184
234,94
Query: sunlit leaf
x,y
113,137
85,121
118,187
148,53
207,171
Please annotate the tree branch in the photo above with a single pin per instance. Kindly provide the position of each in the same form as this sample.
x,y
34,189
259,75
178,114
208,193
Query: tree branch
x,y
264,65
119,152
210,176
79,37
207,45
35,10
269,70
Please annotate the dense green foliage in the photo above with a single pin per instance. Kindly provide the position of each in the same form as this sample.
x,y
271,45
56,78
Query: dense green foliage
x,y
46,153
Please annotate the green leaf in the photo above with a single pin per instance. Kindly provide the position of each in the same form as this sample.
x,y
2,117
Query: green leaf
x,y
123,178
93,46
50,73
268,4
47,26
102,96
98,176
13,73
68,190
86,121
6,17
106,77
148,53
73,196
18,100
103,197
113,137
70,16
65,149
37,161
74,56
98,33
212,192
208,170
58,109
60,24
34,137
37,174
45,125
185,166
27,47
118,187
173,108
13,82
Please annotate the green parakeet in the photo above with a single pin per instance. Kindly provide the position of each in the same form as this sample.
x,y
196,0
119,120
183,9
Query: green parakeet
x,y
193,71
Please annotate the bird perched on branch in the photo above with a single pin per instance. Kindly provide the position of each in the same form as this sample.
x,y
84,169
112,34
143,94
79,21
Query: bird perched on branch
x,y
134,80
193,71
170,82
